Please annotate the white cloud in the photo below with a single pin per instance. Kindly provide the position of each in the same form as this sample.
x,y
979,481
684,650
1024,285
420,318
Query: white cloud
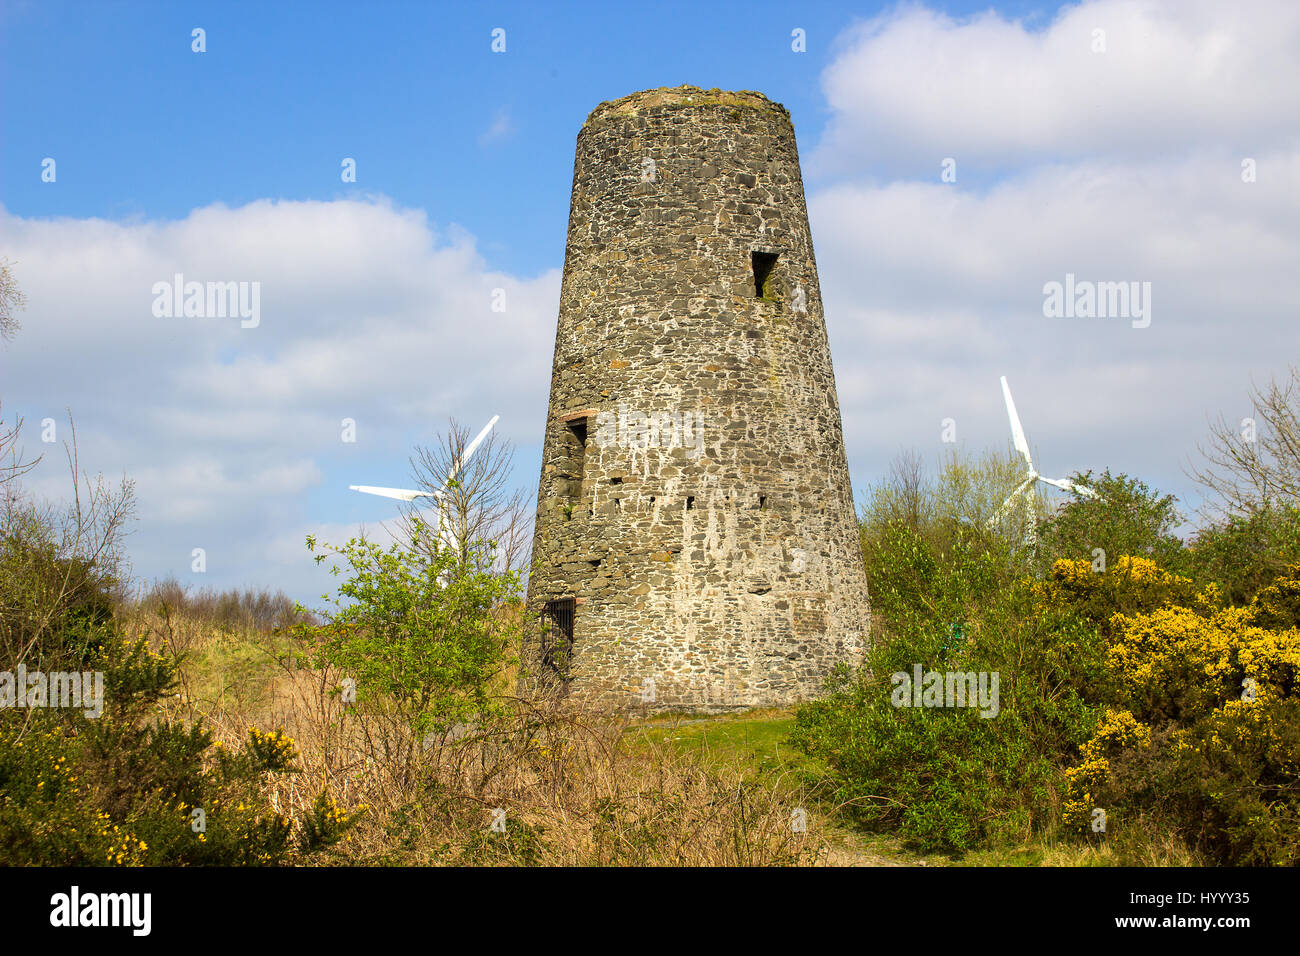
x,y
233,435
913,86
933,290
503,125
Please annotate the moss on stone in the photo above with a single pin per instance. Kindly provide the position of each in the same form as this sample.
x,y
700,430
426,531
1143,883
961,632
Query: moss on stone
x,y
684,96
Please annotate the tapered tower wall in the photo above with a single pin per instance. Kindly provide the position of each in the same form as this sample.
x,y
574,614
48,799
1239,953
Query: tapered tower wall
x,y
696,544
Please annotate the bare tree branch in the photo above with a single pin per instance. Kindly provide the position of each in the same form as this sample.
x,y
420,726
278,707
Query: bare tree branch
x,y
11,300
1255,464
479,507
16,467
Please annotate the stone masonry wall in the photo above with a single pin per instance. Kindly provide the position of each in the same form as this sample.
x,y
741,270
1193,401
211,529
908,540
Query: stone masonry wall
x,y
694,497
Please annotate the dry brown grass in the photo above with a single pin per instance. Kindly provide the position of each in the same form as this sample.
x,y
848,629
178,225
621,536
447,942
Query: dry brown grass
x,y
574,787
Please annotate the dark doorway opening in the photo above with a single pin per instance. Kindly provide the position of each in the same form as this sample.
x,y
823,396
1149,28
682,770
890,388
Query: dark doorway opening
x,y
557,639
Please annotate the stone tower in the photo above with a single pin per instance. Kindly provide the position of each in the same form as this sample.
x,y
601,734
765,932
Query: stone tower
x,y
696,545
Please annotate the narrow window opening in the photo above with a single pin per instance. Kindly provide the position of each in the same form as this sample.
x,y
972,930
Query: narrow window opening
x,y
690,502
572,463
616,481
763,263
762,502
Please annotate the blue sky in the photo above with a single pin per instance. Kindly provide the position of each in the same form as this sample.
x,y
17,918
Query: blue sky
x,y
1118,164
143,127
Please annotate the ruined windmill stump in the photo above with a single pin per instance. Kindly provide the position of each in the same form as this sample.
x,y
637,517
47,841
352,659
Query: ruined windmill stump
x,y
696,545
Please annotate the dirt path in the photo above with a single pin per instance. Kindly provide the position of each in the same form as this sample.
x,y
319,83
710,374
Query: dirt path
x,y
846,848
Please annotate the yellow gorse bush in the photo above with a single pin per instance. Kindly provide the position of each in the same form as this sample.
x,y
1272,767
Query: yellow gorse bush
x,y
1130,585
1178,657
1209,675
1118,730
276,750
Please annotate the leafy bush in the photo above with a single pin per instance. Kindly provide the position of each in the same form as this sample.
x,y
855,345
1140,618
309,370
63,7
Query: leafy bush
x,y
115,781
52,599
1243,553
421,631
946,778
1125,518
1204,725
124,789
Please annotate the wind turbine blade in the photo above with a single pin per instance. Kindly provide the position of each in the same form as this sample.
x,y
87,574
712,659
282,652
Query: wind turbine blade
x,y
401,494
1017,432
1066,484
1010,498
470,449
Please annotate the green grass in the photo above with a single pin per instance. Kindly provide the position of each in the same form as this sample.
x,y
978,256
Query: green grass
x,y
757,741
755,738
234,668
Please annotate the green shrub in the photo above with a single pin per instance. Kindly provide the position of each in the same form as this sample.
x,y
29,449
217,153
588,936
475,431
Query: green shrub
x,y
1203,723
1243,553
1126,517
946,778
421,632
123,788
116,781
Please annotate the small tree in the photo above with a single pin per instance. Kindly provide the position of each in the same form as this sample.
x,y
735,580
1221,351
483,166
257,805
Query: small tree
x,y
971,490
961,498
423,637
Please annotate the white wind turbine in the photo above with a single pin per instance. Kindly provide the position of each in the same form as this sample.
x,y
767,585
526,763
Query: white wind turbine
x,y
406,494
1026,487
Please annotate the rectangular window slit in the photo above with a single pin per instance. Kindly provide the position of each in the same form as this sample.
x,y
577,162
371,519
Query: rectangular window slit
x,y
763,263
572,463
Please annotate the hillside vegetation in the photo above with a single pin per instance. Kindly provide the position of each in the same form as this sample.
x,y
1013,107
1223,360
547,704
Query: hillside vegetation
x,y
1081,687
1148,706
